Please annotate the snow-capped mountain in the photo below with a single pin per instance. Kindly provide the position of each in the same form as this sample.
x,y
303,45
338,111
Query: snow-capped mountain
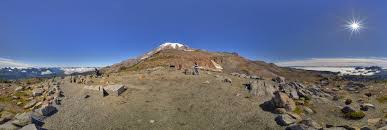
x,y
167,45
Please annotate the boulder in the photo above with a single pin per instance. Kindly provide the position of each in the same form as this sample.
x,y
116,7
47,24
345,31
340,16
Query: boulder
x,y
281,100
299,127
37,92
353,86
47,110
115,90
311,123
6,116
22,119
30,104
285,120
279,80
243,75
347,109
8,126
29,127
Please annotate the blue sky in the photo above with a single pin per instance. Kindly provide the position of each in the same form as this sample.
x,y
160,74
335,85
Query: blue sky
x,y
103,32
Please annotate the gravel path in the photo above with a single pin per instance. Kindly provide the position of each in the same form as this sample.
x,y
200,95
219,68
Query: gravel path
x,y
165,102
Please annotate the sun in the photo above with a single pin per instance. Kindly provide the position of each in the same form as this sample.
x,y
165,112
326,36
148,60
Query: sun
x,y
354,25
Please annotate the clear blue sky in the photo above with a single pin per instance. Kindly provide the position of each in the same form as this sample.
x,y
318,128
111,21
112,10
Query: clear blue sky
x,y
102,32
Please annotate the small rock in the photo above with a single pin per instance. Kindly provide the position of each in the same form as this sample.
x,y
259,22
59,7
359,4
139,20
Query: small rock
x,y
29,127
347,109
15,97
19,103
30,104
151,121
206,82
365,128
86,96
280,110
18,89
311,123
348,101
227,80
285,120
368,94
8,126
37,92
308,110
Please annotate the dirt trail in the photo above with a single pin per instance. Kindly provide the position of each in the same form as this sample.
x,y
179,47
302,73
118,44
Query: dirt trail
x,y
170,102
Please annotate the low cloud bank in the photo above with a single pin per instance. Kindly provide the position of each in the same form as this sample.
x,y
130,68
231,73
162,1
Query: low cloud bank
x,y
336,62
11,63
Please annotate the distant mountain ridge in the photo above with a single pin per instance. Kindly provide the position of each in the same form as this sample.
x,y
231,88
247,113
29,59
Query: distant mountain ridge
x,y
11,73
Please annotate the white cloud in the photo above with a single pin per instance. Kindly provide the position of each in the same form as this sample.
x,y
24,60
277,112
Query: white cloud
x,y
11,63
46,72
382,62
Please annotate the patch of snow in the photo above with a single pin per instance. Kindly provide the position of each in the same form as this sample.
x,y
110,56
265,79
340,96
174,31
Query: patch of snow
x,y
217,66
173,45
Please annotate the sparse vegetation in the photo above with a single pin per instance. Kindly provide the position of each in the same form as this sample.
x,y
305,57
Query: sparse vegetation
x,y
298,110
355,115
382,99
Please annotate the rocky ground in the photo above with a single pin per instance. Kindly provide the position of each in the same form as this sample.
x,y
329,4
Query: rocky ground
x,y
165,98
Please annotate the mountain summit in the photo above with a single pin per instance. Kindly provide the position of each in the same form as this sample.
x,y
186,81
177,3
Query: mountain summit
x,y
165,46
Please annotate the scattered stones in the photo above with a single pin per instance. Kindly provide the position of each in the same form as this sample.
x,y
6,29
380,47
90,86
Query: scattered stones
x,y
285,120
37,92
30,104
281,100
352,86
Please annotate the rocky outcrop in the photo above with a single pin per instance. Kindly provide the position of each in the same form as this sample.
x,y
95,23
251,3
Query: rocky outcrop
x,y
260,88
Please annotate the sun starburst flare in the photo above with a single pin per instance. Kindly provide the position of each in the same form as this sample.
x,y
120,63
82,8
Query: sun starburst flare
x,y
354,26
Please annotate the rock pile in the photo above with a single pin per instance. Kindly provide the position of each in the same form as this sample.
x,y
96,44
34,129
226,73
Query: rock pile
x,y
42,102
